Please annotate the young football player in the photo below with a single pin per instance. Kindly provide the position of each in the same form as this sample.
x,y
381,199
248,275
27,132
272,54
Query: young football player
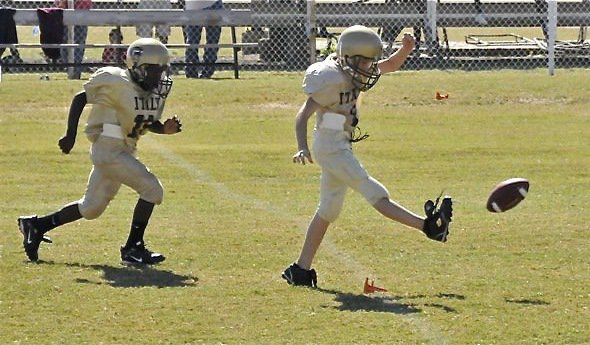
x,y
333,87
126,103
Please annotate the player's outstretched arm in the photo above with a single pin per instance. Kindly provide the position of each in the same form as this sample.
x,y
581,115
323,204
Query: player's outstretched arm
x,y
397,59
170,126
66,143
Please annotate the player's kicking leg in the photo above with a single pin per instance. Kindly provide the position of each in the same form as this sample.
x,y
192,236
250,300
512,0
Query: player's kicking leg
x,y
436,224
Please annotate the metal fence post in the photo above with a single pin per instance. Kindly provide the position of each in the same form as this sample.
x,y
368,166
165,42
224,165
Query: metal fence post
x,y
552,33
431,23
311,29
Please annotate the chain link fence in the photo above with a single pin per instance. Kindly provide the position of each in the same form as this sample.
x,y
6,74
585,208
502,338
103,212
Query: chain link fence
x,y
290,34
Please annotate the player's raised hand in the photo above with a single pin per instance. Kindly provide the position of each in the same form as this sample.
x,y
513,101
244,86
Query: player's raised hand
x,y
172,125
66,143
408,41
301,156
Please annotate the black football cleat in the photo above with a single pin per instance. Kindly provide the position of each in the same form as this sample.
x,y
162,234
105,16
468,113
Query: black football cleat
x,y
295,275
438,218
32,237
140,255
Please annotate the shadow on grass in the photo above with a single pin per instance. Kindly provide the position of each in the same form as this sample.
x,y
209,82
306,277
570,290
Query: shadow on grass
x,y
134,276
526,301
385,304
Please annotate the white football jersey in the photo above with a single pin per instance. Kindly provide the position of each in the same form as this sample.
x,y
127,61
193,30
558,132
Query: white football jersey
x,y
332,88
117,100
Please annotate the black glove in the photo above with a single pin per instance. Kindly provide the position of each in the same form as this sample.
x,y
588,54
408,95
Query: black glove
x,y
66,143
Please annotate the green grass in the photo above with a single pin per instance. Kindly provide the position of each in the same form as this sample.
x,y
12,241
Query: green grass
x,y
236,209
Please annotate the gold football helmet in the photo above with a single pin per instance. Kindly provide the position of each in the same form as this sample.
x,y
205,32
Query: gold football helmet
x,y
358,51
148,63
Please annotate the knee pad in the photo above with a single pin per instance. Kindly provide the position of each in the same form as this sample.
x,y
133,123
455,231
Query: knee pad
x,y
372,190
329,213
92,209
153,194
329,208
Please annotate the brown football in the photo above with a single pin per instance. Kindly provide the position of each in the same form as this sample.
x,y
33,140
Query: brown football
x,y
507,194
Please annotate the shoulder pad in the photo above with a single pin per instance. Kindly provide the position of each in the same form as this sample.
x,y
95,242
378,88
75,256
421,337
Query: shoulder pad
x,y
321,75
323,82
108,74
105,78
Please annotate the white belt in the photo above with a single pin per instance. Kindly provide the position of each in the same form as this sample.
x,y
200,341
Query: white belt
x,y
112,131
333,121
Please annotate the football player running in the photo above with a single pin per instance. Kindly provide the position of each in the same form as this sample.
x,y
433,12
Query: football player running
x,y
333,87
126,103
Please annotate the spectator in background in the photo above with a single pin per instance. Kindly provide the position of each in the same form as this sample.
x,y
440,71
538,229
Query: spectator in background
x,y
479,16
542,8
9,35
80,34
421,25
112,55
192,35
392,31
147,30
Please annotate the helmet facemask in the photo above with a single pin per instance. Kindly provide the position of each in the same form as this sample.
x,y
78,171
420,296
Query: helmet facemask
x,y
364,71
154,78
148,64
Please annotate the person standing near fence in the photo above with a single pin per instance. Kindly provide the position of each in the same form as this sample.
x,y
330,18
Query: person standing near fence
x,y
420,26
126,104
112,55
392,31
80,34
542,9
480,17
9,35
333,87
161,32
192,35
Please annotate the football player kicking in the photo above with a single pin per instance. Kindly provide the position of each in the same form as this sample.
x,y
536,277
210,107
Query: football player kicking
x,y
333,87
127,103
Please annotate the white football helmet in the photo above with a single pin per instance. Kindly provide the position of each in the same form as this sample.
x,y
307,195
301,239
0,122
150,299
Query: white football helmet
x,y
148,63
358,51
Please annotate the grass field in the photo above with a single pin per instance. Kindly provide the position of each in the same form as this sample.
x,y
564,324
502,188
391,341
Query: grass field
x,y
236,209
